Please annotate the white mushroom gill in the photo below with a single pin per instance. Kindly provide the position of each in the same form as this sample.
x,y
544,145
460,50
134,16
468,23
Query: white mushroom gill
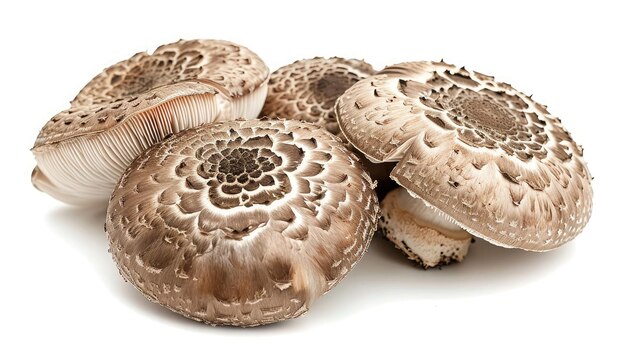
x,y
424,233
249,106
84,170
82,150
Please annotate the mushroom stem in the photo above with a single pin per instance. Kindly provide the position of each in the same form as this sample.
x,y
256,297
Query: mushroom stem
x,y
422,232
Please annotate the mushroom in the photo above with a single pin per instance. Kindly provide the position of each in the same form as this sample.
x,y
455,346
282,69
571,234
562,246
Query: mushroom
x,y
82,151
241,222
476,154
307,90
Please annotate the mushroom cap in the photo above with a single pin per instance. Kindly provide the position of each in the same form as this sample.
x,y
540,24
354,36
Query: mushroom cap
x,y
493,160
82,151
241,222
307,90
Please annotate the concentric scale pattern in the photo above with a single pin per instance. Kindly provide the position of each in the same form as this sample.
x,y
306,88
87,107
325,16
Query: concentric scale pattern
x,y
82,151
489,157
492,120
242,223
130,84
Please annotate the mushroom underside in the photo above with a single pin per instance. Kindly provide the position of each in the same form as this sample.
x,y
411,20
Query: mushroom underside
x,y
84,169
421,232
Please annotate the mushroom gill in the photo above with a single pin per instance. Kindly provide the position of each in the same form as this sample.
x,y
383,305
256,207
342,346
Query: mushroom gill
x,y
490,158
242,222
82,151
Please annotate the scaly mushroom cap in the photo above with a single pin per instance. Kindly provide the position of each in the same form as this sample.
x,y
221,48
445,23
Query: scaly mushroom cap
x,y
307,90
493,160
82,151
242,222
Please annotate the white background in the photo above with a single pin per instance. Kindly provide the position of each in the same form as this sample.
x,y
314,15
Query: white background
x,y
59,286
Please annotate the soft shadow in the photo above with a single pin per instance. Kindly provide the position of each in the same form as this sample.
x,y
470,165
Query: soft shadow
x,y
84,229
383,275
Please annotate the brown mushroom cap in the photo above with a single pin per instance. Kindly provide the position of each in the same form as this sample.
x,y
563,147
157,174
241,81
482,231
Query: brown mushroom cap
x,y
131,105
493,160
307,90
241,222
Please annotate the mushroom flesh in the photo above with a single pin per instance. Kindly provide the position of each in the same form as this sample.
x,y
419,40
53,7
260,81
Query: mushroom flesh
x,y
420,231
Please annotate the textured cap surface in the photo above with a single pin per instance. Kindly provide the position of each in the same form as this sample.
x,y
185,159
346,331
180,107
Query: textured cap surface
x,y
82,151
306,90
142,82
478,150
241,223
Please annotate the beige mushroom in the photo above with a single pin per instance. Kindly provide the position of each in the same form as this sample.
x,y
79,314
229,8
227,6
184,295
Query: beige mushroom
x,y
478,153
307,90
242,222
82,151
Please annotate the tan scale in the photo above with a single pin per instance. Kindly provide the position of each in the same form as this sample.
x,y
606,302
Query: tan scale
x,y
480,153
82,151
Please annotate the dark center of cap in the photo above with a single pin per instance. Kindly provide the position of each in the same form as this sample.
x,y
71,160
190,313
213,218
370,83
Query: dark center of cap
x,y
246,172
234,172
331,86
485,113
492,119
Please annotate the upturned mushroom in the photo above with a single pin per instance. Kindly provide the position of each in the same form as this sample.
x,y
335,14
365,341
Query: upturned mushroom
x,y
82,151
307,90
242,222
474,157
